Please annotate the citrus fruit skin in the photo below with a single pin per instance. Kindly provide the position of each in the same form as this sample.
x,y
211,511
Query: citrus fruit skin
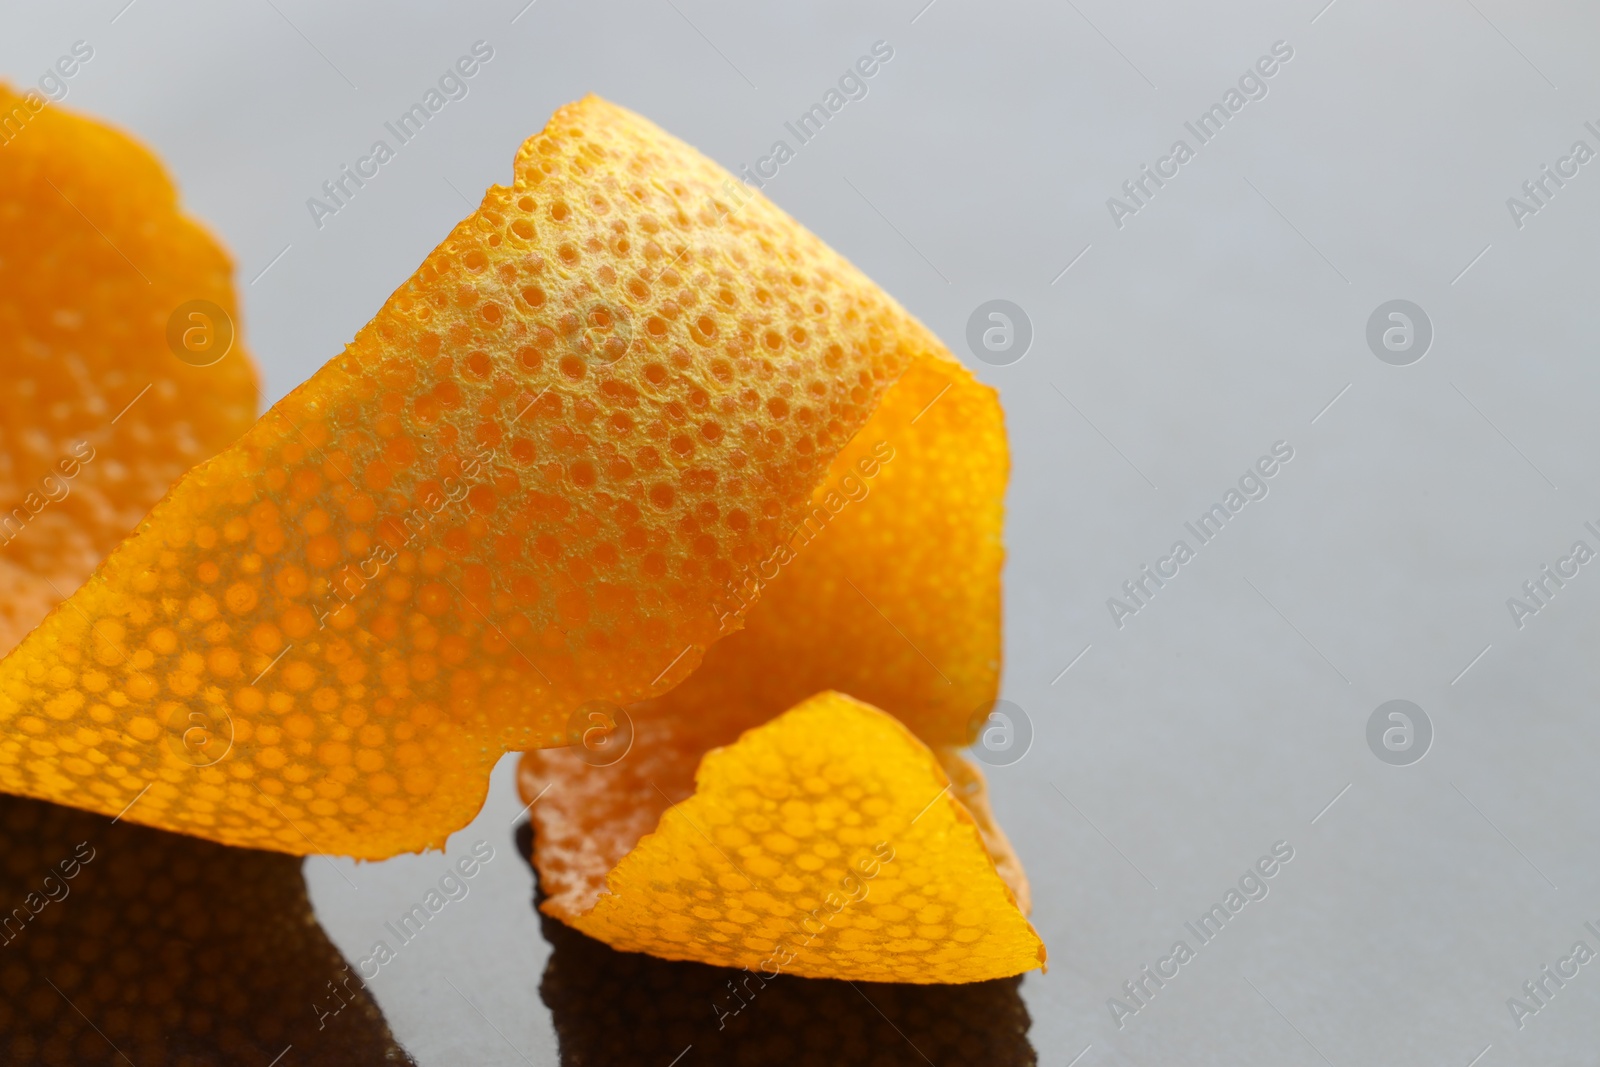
x,y
541,476
98,417
827,843
629,436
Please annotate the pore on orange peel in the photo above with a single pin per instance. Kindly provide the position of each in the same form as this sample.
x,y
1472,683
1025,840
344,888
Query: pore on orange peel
x,y
629,434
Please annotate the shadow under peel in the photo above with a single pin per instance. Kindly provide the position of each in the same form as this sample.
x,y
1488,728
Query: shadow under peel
x,y
613,1007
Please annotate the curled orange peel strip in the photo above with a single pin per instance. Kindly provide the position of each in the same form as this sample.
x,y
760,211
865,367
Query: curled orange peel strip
x,y
98,416
823,843
627,421
827,843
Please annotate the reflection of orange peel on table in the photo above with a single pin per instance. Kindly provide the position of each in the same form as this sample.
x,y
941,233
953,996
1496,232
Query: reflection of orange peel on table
x,y
628,425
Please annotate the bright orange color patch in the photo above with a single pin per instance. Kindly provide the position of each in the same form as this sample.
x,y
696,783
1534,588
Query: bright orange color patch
x,y
825,843
97,416
893,592
606,421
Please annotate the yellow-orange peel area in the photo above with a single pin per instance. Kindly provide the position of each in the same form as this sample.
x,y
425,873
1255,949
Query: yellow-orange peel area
x,y
825,843
98,415
892,592
530,482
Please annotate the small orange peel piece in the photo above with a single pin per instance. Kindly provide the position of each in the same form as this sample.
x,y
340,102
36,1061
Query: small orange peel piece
x,y
627,419
98,415
826,843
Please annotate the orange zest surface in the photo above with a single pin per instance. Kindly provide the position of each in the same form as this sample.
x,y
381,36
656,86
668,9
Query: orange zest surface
x,y
97,415
826,843
921,530
892,594
623,408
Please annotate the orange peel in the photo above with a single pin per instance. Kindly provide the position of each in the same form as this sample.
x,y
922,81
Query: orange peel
x,y
627,421
98,416
629,424
825,843
892,593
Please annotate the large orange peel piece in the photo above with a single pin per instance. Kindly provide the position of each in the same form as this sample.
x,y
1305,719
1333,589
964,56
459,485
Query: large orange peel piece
x,y
98,416
620,409
825,843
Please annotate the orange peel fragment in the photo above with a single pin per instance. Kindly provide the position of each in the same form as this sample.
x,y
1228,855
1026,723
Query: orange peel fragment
x,y
826,843
628,420
98,416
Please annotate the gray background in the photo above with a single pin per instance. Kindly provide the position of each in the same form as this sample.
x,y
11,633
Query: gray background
x,y
1221,318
